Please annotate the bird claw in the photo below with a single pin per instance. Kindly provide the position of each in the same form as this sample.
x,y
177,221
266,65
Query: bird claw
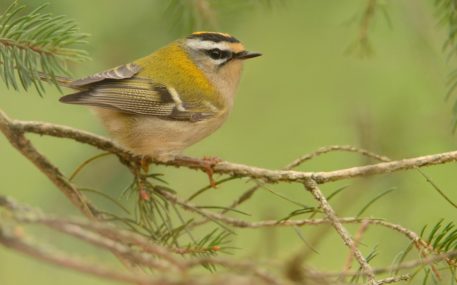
x,y
205,164
208,164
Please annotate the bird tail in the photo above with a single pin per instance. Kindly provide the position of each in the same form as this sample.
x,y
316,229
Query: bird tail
x,y
76,98
61,80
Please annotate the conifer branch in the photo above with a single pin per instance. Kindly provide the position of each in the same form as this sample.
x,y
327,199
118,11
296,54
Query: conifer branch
x,y
13,235
447,17
15,130
36,47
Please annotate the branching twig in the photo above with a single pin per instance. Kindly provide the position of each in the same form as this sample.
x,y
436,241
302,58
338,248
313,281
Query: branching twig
x,y
390,280
331,148
16,137
357,239
14,130
14,238
311,186
25,214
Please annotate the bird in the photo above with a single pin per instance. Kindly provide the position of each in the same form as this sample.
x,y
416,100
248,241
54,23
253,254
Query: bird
x,y
160,104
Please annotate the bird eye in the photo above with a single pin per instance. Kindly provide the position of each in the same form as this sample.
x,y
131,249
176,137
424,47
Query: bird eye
x,y
216,53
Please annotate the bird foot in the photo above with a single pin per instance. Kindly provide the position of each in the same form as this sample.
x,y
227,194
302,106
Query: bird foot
x,y
208,164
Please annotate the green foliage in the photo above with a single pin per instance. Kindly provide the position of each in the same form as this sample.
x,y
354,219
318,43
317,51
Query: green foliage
x,y
372,201
440,239
447,16
443,238
189,16
36,46
154,216
194,15
209,245
362,45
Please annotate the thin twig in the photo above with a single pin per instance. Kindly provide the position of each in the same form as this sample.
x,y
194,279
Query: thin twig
x,y
320,151
239,265
403,266
16,137
395,279
83,229
331,148
311,186
77,228
357,239
14,238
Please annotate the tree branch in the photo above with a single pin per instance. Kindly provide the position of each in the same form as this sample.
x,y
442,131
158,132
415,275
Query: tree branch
x,y
311,186
235,169
17,139
121,241
14,131
15,238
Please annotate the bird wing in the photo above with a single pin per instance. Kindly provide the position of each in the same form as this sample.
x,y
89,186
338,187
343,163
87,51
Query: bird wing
x,y
123,90
120,72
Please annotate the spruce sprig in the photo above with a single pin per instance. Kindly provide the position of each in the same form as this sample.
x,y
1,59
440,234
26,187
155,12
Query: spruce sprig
x,y
36,47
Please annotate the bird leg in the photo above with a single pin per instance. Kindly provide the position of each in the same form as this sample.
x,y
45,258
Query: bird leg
x,y
145,162
142,164
206,164
211,161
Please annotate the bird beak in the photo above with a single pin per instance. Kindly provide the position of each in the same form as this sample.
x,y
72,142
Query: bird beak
x,y
247,54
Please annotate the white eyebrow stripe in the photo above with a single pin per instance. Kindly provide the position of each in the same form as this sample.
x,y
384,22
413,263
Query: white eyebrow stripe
x,y
199,44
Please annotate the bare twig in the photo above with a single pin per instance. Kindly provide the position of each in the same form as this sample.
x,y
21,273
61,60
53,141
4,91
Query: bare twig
x,y
311,186
323,150
287,223
331,148
245,266
106,232
15,238
390,280
241,170
16,137
358,237
107,236
406,265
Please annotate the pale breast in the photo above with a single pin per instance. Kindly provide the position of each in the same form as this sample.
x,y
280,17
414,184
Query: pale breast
x,y
159,138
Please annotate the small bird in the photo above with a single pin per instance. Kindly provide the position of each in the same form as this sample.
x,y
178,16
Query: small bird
x,y
164,102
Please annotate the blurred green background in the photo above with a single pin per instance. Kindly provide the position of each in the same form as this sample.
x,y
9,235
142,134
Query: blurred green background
x,y
303,93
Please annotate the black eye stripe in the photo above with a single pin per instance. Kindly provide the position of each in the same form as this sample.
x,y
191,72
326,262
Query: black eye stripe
x,y
216,53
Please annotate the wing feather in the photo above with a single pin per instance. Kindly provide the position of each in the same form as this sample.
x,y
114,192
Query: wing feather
x,y
120,72
123,90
